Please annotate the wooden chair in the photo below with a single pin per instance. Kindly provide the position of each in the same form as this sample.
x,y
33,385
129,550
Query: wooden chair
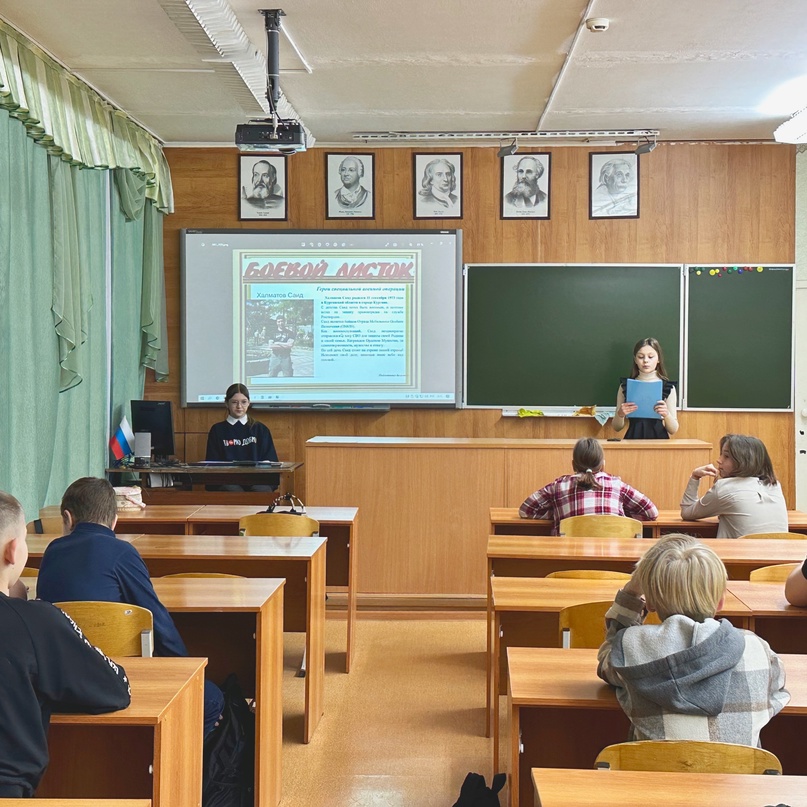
x,y
204,574
776,536
583,625
601,527
29,571
687,756
773,574
116,628
48,524
281,524
590,574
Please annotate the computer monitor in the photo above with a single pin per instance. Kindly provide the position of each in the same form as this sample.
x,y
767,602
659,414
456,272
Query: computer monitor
x,y
155,417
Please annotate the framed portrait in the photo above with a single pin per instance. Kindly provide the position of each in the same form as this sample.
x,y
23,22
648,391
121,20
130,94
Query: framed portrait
x,y
262,187
350,180
437,186
613,185
525,186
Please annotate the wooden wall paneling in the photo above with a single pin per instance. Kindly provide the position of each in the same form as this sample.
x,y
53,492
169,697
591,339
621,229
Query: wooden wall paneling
x,y
698,203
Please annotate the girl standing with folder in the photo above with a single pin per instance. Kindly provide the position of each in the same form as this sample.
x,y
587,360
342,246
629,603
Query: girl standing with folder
x,y
648,366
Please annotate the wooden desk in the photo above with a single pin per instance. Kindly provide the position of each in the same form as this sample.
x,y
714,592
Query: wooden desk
x,y
437,493
37,544
506,521
524,556
238,624
155,518
340,525
556,787
195,478
301,561
773,617
564,715
526,614
152,749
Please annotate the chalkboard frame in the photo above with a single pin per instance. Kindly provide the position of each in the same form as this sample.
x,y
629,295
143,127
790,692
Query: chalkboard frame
x,y
605,407
731,268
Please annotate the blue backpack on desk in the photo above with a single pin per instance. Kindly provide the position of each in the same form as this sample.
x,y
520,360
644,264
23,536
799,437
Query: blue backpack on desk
x,y
475,793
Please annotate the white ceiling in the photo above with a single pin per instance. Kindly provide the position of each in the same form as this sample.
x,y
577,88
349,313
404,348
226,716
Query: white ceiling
x,y
693,69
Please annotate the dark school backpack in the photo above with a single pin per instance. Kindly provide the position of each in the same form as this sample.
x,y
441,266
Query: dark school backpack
x,y
229,753
475,793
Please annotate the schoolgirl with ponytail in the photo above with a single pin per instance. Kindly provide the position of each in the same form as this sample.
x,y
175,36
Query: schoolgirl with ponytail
x,y
589,491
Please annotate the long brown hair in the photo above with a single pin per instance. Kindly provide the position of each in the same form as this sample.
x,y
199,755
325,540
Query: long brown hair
x,y
651,342
587,460
750,457
232,391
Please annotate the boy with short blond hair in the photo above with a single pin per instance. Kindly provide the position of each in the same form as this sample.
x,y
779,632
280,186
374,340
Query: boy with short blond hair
x,y
47,666
692,677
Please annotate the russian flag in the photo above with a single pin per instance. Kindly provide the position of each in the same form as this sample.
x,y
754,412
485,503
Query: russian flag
x,y
122,442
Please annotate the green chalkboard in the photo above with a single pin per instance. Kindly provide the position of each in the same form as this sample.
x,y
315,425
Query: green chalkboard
x,y
562,335
739,337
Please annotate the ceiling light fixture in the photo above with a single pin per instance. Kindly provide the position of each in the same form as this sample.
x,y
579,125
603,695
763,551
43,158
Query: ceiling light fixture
x,y
579,136
646,147
507,151
793,130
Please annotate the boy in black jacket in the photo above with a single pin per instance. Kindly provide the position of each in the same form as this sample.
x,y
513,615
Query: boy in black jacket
x,y
47,665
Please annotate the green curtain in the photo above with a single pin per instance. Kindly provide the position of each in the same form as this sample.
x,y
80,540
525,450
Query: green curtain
x,y
46,438
72,121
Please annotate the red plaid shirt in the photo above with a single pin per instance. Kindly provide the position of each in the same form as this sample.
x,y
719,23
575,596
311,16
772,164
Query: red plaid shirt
x,y
563,498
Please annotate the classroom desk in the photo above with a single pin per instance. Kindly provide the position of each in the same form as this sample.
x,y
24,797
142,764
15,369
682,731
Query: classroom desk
x,y
773,618
340,525
562,715
156,518
193,480
506,521
526,613
301,561
426,500
152,749
238,624
558,787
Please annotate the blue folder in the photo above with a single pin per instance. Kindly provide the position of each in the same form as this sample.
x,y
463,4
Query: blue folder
x,y
645,394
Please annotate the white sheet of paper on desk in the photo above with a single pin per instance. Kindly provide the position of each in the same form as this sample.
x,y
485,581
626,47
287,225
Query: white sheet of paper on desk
x,y
645,394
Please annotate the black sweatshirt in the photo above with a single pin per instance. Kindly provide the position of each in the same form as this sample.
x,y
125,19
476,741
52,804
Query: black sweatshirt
x,y
46,665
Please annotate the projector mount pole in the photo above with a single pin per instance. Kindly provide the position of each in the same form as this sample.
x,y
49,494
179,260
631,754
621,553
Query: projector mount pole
x,y
271,18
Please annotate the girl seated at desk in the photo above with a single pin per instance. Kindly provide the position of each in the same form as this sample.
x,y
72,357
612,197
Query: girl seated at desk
x,y
746,498
240,437
648,365
589,491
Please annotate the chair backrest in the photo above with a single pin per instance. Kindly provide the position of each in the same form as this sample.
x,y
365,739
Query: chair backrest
x,y
779,536
773,574
590,574
203,574
687,756
601,527
284,524
47,524
583,625
116,628
29,571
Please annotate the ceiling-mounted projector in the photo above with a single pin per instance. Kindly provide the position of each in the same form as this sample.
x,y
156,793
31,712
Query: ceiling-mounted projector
x,y
286,137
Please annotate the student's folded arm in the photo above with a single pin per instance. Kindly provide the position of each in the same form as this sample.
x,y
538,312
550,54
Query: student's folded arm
x,y
637,505
796,586
537,505
693,508
72,674
627,611
778,696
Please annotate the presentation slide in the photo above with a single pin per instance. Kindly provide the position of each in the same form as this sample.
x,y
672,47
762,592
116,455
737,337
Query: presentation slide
x,y
321,318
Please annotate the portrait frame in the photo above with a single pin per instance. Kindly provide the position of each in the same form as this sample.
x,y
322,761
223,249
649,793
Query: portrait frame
x,y
619,200
424,204
513,208
356,204
274,207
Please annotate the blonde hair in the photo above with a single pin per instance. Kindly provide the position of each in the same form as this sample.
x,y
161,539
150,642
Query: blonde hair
x,y
681,575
